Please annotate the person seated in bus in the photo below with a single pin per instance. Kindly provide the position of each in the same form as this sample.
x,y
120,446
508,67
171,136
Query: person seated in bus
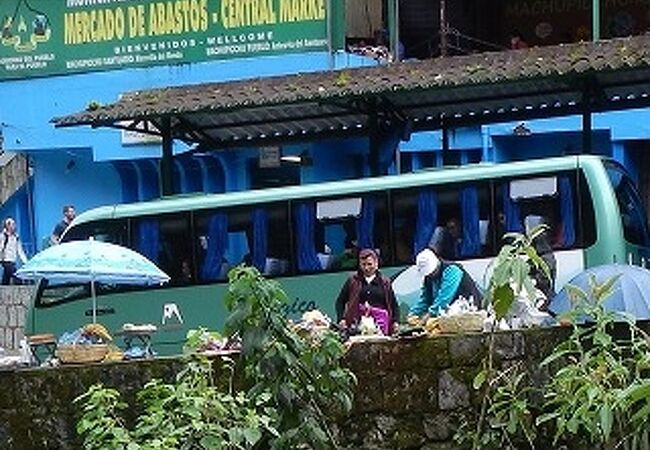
x,y
187,277
442,283
348,260
404,244
445,240
367,292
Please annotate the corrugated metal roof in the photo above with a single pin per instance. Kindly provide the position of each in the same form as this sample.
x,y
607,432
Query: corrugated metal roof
x,y
454,91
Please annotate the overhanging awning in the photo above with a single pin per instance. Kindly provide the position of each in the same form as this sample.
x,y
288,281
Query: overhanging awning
x,y
424,95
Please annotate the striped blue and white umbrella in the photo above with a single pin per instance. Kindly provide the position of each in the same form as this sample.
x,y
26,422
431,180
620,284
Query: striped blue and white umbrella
x,y
92,262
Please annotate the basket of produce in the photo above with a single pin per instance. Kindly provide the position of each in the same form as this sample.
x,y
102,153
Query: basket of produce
x,y
81,353
85,345
461,323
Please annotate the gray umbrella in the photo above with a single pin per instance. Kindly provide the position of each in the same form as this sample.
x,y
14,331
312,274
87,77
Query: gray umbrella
x,y
631,291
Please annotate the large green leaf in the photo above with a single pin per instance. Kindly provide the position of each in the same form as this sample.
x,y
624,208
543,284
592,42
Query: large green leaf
x,y
502,299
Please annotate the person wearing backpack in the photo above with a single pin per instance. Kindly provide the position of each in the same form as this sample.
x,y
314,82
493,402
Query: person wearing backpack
x,y
12,249
443,282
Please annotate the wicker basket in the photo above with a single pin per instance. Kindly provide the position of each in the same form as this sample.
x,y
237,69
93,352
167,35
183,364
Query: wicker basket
x,y
461,323
80,354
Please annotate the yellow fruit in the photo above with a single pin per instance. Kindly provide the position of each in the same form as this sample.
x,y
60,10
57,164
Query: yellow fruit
x,y
99,330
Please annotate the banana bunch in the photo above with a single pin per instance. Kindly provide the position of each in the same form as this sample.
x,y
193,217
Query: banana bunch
x,y
98,330
432,325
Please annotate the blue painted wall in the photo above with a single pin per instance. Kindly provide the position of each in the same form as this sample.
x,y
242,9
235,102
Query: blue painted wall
x,y
101,172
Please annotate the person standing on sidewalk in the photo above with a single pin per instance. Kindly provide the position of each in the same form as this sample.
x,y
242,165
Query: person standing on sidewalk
x,y
11,249
68,216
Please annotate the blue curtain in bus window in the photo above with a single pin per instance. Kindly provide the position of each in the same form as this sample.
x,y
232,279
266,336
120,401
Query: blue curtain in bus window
x,y
427,219
260,226
217,239
511,211
305,218
148,239
366,224
566,213
470,244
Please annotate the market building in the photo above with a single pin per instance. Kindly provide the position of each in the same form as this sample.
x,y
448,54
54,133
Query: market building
x,y
58,58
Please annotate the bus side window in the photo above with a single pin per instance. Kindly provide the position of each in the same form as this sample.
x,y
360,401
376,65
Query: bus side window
x,y
549,199
453,220
269,247
212,245
464,214
113,231
306,247
363,225
165,241
405,204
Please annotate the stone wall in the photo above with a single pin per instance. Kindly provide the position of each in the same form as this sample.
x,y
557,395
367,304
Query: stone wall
x,y
412,393
14,302
13,174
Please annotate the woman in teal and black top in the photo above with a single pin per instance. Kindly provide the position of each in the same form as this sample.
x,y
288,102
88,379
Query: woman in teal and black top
x,y
443,283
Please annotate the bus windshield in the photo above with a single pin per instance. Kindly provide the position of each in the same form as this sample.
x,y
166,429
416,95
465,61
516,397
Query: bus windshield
x,y
635,224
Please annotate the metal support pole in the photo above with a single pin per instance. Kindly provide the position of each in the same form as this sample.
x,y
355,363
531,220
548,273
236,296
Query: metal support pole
x,y
595,20
374,141
330,44
167,159
586,131
586,118
445,139
394,30
443,28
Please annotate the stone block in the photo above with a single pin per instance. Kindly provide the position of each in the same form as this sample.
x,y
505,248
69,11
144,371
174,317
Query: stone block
x,y
13,316
409,435
4,316
368,393
437,427
454,391
510,345
468,350
363,357
541,342
21,314
407,392
361,431
19,334
414,354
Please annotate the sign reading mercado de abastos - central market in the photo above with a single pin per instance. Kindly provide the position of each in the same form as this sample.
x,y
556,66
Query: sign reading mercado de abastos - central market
x,y
54,37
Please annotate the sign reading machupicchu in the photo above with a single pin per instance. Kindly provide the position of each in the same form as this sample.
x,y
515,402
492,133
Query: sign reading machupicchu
x,y
53,37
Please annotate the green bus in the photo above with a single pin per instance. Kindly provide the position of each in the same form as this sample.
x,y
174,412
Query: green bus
x,y
300,235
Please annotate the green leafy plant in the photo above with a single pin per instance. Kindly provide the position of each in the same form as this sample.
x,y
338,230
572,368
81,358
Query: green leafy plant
x,y
600,392
302,373
503,401
200,338
93,105
189,414
295,387
511,270
509,418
